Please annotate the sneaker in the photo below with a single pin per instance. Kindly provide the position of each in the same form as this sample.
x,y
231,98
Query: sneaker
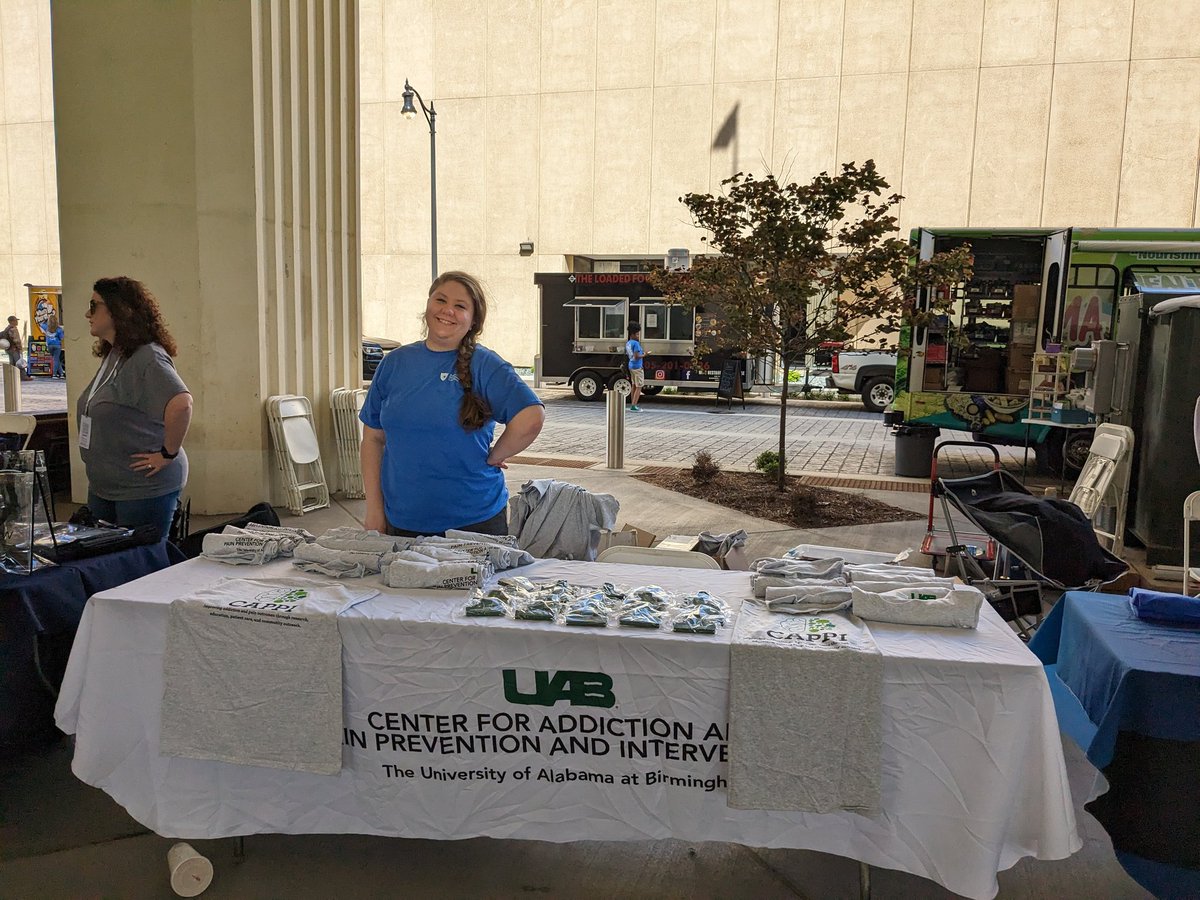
x,y
635,409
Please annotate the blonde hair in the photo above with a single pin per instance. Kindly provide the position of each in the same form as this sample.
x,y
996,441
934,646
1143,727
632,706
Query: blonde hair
x,y
474,411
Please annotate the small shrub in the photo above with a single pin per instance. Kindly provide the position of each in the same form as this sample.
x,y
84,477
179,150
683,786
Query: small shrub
x,y
705,468
767,462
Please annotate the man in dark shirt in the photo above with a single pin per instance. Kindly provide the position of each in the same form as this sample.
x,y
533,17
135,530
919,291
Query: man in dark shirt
x,y
12,334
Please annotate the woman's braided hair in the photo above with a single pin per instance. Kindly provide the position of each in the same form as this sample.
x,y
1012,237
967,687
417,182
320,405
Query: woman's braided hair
x,y
474,411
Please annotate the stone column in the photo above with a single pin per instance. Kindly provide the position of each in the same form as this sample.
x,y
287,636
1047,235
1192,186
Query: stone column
x,y
210,149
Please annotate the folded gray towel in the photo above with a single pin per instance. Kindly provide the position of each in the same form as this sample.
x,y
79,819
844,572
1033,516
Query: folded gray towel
x,y
956,607
884,572
362,545
336,563
799,568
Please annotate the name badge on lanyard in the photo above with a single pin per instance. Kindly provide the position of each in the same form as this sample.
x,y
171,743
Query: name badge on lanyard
x,y
103,377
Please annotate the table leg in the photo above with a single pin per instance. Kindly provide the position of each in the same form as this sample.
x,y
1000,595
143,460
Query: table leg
x,y
239,849
864,881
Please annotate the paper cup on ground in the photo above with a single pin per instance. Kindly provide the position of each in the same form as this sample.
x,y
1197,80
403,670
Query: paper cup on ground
x,y
191,873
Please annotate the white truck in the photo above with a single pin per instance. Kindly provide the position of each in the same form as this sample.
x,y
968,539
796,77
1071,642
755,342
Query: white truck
x,y
869,373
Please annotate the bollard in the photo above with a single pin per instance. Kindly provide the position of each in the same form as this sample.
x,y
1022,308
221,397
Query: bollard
x,y
12,388
616,429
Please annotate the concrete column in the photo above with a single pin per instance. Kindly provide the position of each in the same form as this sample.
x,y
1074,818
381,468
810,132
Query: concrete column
x,y
210,149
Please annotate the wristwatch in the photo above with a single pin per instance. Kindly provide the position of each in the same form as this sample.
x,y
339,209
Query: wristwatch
x,y
165,455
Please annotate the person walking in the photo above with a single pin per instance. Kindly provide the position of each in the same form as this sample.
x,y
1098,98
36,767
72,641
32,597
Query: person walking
x,y
12,334
637,374
54,341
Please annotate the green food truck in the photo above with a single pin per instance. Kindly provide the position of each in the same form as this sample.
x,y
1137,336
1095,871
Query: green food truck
x,y
997,364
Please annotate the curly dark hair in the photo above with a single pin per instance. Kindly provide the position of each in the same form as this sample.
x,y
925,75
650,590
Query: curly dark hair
x,y
136,317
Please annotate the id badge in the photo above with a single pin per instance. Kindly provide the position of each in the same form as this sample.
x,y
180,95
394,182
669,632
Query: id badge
x,y
85,432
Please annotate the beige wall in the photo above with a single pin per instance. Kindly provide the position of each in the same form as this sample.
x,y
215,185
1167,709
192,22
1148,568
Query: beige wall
x,y
577,124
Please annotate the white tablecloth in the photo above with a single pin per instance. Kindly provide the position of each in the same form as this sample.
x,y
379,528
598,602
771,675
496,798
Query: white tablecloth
x,y
621,738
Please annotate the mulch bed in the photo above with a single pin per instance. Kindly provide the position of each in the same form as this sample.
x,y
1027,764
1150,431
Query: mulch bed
x,y
801,506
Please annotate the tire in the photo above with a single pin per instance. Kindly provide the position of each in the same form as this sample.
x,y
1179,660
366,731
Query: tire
x,y
621,382
588,386
1075,450
878,392
652,390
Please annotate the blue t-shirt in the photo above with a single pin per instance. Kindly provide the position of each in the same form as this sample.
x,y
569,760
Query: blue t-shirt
x,y
632,349
435,473
54,338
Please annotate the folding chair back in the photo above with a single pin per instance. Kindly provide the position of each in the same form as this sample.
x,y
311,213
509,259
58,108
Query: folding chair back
x,y
346,404
655,556
1102,489
18,423
1191,513
297,453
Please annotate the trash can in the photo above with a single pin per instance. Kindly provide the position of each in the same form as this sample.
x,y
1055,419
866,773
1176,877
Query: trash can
x,y
914,450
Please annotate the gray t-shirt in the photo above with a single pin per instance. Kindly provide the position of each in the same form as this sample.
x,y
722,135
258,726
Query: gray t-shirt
x,y
127,418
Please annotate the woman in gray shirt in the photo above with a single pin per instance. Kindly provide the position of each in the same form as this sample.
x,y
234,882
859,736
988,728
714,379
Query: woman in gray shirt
x,y
135,412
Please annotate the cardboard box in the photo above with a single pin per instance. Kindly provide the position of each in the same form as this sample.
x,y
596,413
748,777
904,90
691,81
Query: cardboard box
x,y
735,560
1025,302
627,536
1016,381
1020,358
935,378
678,542
1023,334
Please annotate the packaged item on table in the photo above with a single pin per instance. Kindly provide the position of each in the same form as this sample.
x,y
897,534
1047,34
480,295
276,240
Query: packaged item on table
x,y
651,594
495,602
591,610
637,613
537,609
699,613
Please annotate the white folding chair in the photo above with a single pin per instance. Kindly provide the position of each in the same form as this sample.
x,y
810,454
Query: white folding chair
x,y
18,423
297,453
1102,488
654,556
1191,513
346,404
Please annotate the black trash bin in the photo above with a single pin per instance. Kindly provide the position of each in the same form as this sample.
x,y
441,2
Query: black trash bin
x,y
914,449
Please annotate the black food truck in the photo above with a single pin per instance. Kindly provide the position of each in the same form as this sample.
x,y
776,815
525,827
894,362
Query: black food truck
x,y
583,318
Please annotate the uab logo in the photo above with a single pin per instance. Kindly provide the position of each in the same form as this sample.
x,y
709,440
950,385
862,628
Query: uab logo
x,y
578,688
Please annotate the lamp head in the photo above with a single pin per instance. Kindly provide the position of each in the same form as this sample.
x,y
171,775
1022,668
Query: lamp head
x,y
408,110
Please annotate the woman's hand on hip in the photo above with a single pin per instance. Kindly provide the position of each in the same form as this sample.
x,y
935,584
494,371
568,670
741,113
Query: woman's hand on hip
x,y
149,463
375,522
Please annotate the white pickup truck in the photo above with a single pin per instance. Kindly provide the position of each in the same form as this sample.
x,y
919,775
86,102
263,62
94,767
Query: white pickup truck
x,y
869,373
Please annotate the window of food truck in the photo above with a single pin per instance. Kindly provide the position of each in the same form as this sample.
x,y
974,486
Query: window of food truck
x,y
598,317
661,322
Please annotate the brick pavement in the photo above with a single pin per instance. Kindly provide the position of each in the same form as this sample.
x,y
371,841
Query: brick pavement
x,y
822,437
827,438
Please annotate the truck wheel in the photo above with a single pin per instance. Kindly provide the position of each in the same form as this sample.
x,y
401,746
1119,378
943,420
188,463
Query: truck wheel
x,y
1076,449
620,382
877,393
652,390
588,386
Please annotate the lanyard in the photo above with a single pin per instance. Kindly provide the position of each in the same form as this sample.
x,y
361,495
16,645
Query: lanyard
x,y
99,382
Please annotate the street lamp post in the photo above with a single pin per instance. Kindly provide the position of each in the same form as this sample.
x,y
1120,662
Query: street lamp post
x,y
409,111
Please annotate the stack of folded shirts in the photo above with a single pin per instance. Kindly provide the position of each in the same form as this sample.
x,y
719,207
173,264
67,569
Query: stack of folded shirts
x,y
239,548
809,598
336,563
435,567
771,572
289,538
951,607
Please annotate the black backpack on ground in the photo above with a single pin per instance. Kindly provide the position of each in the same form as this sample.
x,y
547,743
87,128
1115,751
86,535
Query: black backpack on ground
x,y
262,513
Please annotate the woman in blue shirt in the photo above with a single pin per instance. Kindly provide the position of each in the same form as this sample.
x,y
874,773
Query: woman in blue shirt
x,y
54,339
428,462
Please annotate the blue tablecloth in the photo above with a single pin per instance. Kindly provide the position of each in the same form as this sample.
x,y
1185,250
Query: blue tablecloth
x,y
1128,691
38,617
1129,675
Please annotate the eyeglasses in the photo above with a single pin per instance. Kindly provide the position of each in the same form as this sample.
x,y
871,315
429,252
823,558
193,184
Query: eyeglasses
x,y
93,304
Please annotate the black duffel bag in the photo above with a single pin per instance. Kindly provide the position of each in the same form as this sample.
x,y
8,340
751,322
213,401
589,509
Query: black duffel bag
x,y
262,513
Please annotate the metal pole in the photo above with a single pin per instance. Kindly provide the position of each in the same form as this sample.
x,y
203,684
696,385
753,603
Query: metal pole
x,y
433,188
616,429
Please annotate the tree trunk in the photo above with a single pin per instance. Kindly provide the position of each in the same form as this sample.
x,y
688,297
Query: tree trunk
x,y
783,398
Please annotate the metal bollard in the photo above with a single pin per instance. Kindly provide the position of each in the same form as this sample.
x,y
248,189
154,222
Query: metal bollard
x,y
616,429
12,388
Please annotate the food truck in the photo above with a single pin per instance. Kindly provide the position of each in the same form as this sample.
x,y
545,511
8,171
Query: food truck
x,y
582,322
1001,356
